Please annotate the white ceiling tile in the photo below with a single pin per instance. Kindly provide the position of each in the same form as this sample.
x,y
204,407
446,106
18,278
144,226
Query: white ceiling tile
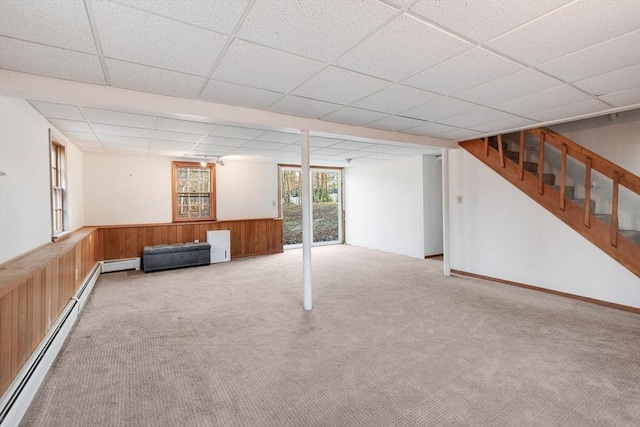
x,y
380,148
621,99
402,48
483,20
403,4
482,115
119,118
239,95
319,141
184,126
148,79
140,37
218,15
321,30
504,125
611,55
236,132
410,151
304,107
386,156
612,82
292,148
176,136
58,111
123,140
88,145
227,142
351,145
214,150
440,109
80,136
171,145
569,29
353,116
263,145
121,130
53,22
70,125
340,86
429,128
126,148
165,152
283,137
18,55
510,87
252,151
329,152
569,111
543,100
395,123
460,134
396,98
472,68
278,71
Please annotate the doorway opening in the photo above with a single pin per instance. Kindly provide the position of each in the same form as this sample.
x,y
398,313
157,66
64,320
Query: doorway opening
x,y
326,205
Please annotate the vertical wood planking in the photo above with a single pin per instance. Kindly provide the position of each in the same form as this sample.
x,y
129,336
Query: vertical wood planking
x,y
6,340
614,209
541,164
521,155
587,193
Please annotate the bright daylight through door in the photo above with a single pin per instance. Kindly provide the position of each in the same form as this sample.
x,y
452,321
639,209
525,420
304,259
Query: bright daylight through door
x,y
326,205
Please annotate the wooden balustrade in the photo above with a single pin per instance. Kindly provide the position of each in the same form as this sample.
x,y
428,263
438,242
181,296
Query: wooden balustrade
x,y
521,156
541,164
587,192
34,289
563,176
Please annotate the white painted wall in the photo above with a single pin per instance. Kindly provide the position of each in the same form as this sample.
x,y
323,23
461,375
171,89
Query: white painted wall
x,y
25,194
432,197
384,206
500,232
129,189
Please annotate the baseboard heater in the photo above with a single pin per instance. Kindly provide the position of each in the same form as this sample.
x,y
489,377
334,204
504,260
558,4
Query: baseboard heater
x,y
120,264
16,400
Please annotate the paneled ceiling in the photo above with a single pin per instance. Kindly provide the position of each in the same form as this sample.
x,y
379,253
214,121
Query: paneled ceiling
x,y
451,69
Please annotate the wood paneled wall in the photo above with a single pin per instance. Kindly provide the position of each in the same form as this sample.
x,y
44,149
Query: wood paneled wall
x,y
248,237
34,289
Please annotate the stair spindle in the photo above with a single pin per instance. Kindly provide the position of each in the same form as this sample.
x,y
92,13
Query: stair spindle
x,y
521,155
500,150
614,209
541,164
563,176
486,146
587,192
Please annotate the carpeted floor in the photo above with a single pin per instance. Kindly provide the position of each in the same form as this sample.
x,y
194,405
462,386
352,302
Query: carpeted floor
x,y
390,342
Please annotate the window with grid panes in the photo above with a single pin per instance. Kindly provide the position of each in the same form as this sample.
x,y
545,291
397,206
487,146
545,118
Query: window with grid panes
x,y
194,196
58,184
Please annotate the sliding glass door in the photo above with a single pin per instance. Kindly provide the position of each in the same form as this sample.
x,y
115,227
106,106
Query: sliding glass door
x,y
326,205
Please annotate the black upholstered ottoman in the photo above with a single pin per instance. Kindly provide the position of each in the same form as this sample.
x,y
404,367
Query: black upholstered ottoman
x,y
165,257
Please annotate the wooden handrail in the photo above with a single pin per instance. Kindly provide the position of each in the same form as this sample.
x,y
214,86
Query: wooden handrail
x,y
599,163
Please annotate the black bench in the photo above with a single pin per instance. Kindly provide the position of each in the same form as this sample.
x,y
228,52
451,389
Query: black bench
x,y
165,257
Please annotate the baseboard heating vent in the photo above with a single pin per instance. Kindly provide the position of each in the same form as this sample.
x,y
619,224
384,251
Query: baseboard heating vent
x,y
16,400
120,264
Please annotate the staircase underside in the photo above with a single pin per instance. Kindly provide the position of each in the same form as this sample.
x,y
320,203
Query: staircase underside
x,y
598,232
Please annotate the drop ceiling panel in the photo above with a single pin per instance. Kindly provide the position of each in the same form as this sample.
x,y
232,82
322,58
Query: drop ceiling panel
x,y
218,15
54,22
459,134
620,99
283,137
482,115
184,126
148,79
609,56
70,125
318,141
279,71
58,111
89,146
263,145
80,136
310,28
396,98
472,68
239,95
510,87
576,109
121,131
171,145
176,136
483,20
122,140
50,61
95,115
395,123
506,124
612,82
380,148
304,107
402,48
227,142
443,107
132,35
340,86
351,145
429,128
543,100
124,148
569,29
236,132
213,150
329,152
354,116
165,152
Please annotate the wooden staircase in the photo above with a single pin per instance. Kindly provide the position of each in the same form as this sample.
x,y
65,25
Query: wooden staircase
x,y
534,179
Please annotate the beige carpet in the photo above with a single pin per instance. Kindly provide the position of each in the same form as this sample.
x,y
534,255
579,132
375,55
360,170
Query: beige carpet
x,y
390,342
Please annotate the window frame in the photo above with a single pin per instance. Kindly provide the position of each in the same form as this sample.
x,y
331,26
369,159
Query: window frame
x,y
175,165
58,187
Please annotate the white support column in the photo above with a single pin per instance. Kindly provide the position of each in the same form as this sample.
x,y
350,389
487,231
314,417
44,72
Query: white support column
x,y
446,242
307,224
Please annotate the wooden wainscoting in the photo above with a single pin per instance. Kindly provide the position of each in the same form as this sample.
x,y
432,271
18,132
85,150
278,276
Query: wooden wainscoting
x,y
34,289
248,237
